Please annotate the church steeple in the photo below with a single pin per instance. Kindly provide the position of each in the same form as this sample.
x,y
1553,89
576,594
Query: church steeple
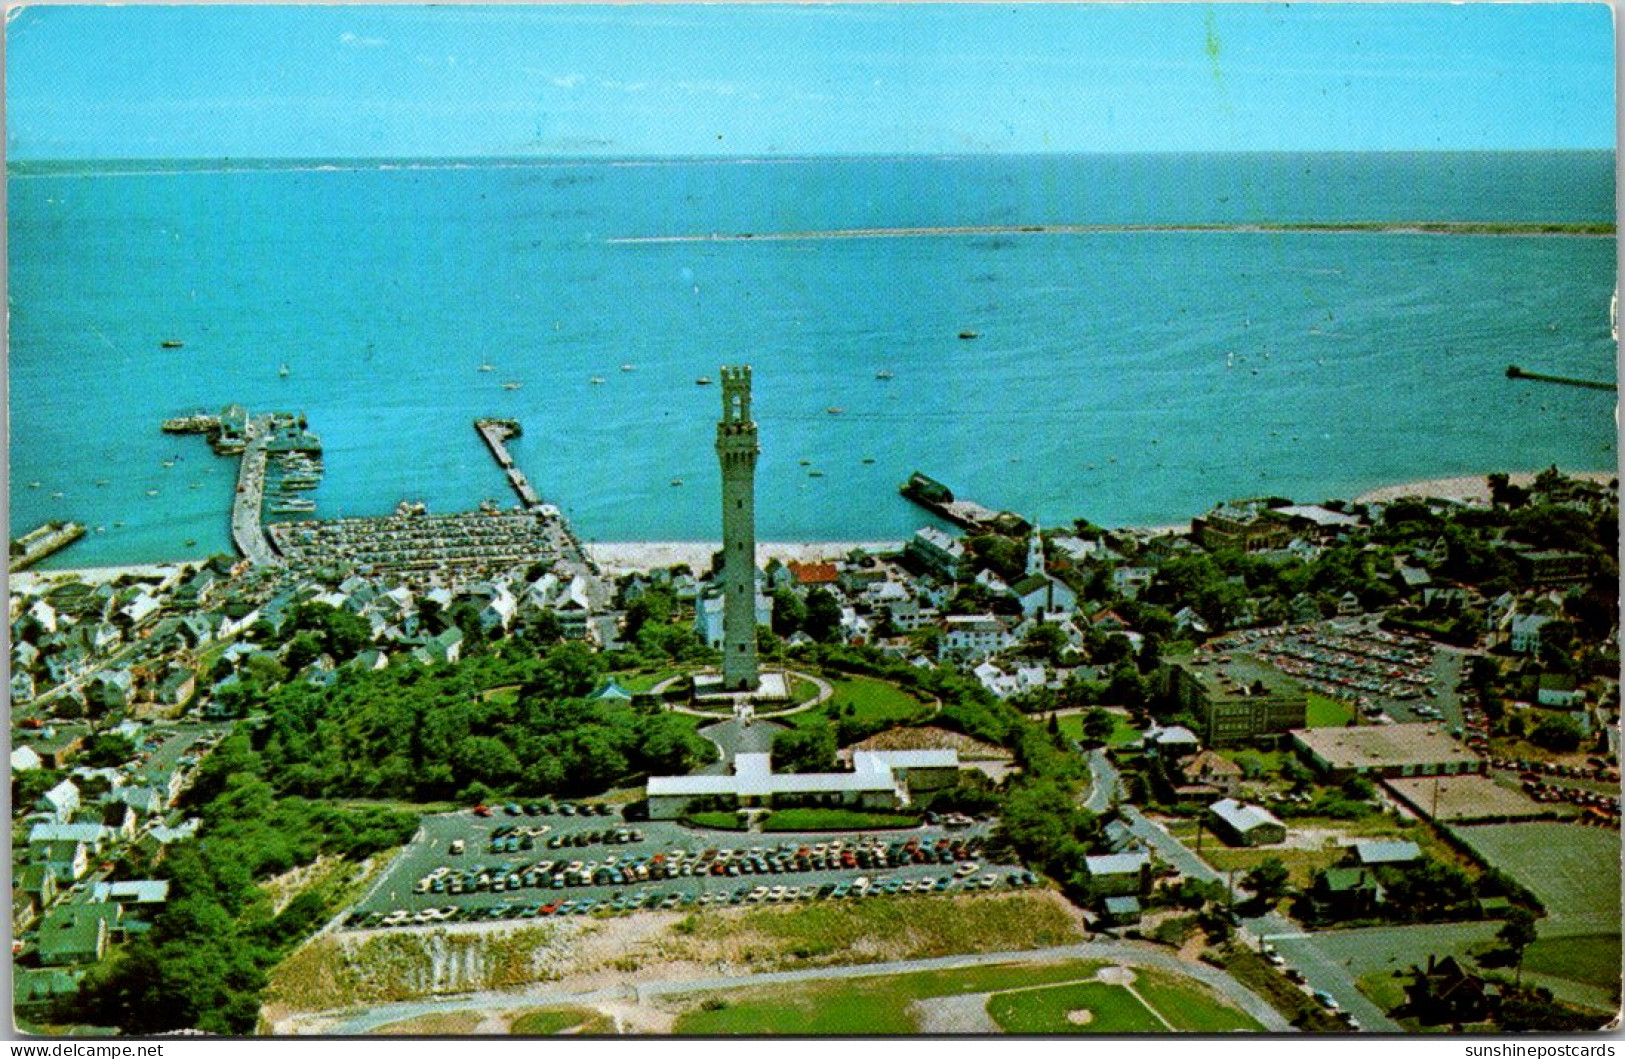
x,y
1035,552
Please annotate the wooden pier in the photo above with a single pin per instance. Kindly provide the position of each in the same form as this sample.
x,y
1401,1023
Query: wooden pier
x,y
36,544
966,514
496,433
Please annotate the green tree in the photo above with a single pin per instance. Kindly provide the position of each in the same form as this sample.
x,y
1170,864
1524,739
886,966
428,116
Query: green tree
x,y
106,749
1098,726
1517,934
1557,732
823,620
789,612
810,748
1268,881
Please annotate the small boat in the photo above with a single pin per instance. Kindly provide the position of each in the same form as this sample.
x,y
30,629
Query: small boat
x,y
868,459
171,343
597,380
191,543
676,481
815,474
35,485
512,385
101,529
101,481
834,410
968,335
152,492
57,496
283,371
806,463
629,367
486,367
168,464
703,380
883,374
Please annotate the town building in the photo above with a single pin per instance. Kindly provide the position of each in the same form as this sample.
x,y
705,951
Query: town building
x,y
1235,699
937,552
972,637
1385,750
1119,874
880,779
1245,825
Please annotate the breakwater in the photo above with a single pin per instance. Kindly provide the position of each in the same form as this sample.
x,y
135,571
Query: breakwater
x,y
1515,372
48,539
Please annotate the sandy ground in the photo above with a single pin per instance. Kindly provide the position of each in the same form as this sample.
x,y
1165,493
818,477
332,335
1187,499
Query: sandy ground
x,y
28,580
1467,489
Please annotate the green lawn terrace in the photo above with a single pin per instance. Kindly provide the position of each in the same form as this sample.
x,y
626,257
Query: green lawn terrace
x,y
1074,997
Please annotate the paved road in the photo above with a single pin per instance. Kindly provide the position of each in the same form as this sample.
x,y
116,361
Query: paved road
x,y
1300,950
246,530
1104,782
369,1019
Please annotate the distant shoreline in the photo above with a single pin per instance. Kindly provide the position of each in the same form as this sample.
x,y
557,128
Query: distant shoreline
x,y
1466,488
628,556
1597,229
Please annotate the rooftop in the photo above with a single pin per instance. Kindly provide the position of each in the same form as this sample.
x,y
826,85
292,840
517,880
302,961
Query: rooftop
x,y
1243,817
1383,746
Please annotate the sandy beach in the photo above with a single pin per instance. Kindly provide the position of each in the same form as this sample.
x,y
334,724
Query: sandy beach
x,y
27,580
1470,490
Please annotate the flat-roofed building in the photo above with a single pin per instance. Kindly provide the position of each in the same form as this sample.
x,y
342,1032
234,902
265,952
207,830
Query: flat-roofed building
x,y
1236,699
1385,750
880,779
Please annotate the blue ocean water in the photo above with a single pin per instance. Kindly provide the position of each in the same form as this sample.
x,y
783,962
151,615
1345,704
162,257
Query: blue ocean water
x,y
1127,377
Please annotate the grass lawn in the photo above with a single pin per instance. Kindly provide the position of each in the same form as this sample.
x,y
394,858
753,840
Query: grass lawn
x,y
1123,733
1112,1009
1386,989
1301,863
545,1022
860,1005
873,702
1573,869
1189,1004
637,681
1590,958
1256,764
720,820
1328,713
834,820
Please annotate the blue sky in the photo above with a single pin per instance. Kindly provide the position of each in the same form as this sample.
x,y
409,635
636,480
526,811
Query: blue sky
x,y
204,82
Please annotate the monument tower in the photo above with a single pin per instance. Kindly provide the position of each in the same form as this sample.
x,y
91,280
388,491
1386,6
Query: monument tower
x,y
736,449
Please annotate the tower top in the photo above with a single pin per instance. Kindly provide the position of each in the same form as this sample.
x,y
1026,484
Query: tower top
x,y
735,396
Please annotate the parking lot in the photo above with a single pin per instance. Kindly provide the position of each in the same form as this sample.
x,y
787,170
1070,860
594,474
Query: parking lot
x,y
524,865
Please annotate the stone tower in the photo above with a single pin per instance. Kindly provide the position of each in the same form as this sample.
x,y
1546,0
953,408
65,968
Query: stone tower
x,y
736,450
